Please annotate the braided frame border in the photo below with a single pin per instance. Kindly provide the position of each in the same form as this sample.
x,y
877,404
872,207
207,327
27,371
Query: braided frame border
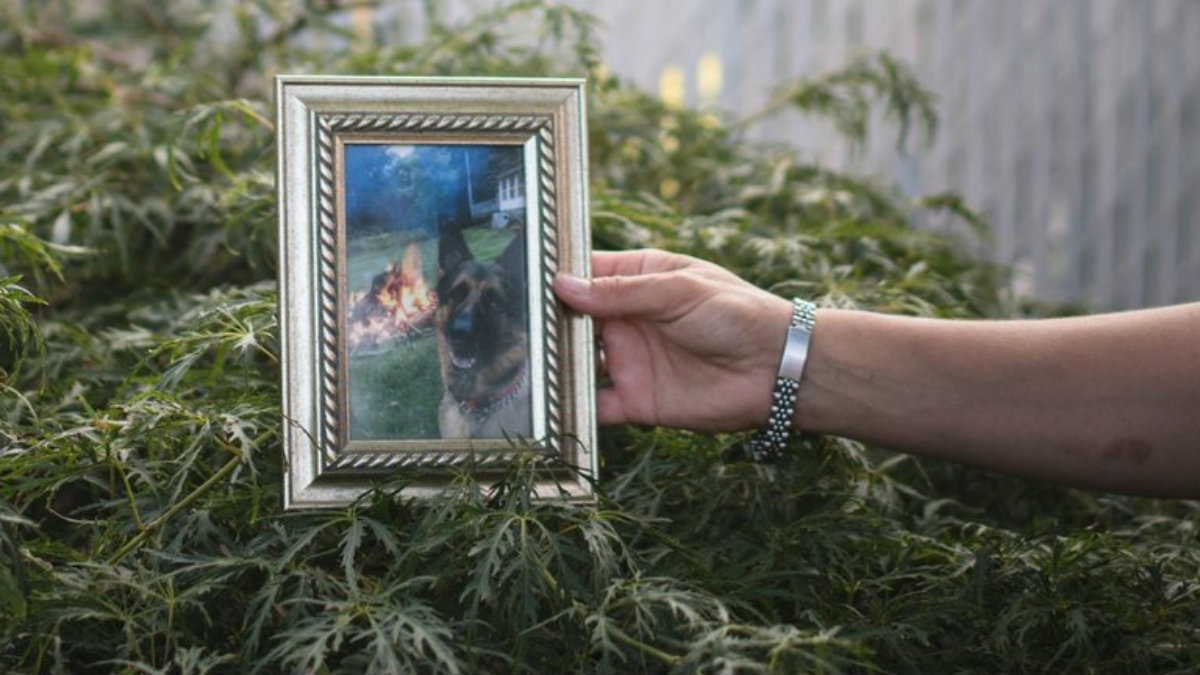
x,y
330,436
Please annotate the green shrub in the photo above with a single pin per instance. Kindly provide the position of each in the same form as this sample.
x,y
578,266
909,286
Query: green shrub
x,y
141,528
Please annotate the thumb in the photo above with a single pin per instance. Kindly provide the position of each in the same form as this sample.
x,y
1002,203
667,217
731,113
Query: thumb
x,y
613,297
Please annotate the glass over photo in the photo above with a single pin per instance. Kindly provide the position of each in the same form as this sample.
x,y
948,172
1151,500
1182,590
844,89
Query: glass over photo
x,y
436,321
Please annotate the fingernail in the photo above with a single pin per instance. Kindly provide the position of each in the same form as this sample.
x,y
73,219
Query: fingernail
x,y
572,284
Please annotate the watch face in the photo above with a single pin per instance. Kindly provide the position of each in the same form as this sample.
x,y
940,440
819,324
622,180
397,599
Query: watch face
x,y
795,353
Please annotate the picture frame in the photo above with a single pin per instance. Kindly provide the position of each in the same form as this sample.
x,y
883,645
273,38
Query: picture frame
x,y
421,224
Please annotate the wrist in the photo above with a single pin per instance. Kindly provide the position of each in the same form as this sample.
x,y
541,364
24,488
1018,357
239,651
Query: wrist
x,y
841,380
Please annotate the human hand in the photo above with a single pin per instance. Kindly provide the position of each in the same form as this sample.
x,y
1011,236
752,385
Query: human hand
x,y
688,344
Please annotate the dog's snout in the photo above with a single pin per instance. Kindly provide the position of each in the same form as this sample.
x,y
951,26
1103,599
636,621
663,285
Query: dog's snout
x,y
463,324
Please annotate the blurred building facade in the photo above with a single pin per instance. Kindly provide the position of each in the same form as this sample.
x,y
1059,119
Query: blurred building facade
x,y
1073,125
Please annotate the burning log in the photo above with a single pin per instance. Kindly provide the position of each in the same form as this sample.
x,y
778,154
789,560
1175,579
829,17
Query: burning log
x,y
398,306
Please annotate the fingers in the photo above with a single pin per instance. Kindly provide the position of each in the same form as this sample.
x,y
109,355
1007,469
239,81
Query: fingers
x,y
609,409
648,295
630,263
628,283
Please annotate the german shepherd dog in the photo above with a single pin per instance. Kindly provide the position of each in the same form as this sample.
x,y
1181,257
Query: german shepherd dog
x,y
482,340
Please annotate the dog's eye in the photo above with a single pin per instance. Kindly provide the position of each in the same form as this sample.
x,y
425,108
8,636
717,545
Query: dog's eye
x,y
492,300
457,294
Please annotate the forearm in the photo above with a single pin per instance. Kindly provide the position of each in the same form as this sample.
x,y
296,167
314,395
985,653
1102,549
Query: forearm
x,y
1106,402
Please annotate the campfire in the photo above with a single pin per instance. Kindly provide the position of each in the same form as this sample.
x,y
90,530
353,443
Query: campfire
x,y
398,306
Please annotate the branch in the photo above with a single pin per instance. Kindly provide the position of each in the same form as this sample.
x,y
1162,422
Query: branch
x,y
182,504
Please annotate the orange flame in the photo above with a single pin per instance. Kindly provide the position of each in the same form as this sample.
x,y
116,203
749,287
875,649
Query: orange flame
x,y
398,305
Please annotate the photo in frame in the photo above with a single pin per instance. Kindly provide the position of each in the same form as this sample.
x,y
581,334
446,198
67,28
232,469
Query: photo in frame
x,y
422,221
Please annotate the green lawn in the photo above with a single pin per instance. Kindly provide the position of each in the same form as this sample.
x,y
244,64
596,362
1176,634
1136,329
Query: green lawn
x,y
395,393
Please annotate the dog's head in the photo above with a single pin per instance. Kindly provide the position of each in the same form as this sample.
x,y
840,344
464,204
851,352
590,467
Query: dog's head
x,y
481,316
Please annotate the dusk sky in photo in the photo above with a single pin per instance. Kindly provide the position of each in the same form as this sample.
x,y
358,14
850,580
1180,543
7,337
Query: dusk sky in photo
x,y
416,186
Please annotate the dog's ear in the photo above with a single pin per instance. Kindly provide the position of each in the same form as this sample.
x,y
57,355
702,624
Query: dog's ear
x,y
452,248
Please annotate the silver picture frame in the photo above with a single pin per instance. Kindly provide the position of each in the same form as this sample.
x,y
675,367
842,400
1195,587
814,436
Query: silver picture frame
x,y
387,188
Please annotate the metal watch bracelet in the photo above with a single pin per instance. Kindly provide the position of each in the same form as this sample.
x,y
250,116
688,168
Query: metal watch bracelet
x,y
770,442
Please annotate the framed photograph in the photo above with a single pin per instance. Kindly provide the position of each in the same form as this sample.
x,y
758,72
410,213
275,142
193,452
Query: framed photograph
x,y
422,222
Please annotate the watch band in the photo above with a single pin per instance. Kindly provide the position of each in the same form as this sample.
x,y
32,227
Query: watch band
x,y
770,442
